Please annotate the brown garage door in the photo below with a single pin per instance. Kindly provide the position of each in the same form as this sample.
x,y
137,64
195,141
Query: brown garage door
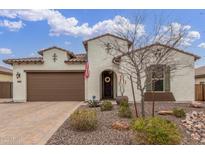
x,y
58,86
5,89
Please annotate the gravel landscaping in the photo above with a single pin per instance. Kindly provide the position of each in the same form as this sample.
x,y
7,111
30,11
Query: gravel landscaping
x,y
105,134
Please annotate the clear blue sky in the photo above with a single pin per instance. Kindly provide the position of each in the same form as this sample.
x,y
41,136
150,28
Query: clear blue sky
x,y
24,32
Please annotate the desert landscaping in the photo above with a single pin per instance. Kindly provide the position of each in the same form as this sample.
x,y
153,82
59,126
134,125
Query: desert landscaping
x,y
113,129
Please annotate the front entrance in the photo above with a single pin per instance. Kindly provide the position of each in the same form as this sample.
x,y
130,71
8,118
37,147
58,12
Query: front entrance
x,y
107,85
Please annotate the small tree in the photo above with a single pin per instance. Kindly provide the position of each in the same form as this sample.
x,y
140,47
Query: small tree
x,y
155,48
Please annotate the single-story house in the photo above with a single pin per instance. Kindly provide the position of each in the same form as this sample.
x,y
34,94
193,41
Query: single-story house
x,y
5,82
200,75
58,75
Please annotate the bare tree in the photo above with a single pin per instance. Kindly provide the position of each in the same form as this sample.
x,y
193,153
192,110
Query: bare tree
x,y
146,53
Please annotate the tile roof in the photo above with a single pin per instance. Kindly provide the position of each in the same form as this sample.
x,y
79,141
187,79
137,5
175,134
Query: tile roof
x,y
71,54
200,72
24,60
80,58
4,70
196,57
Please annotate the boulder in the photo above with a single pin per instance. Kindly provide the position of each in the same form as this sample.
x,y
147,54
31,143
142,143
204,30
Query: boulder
x,y
120,99
196,105
165,112
119,125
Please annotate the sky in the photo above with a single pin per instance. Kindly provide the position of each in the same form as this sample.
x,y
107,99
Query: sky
x,y
24,32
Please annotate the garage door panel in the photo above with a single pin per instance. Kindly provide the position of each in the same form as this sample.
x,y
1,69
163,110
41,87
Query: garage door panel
x,y
55,86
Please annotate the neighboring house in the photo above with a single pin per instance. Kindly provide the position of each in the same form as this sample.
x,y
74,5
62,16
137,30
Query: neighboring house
x,y
200,75
200,83
5,82
58,75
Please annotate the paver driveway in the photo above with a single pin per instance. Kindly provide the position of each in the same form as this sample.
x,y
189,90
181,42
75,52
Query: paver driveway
x,y
32,122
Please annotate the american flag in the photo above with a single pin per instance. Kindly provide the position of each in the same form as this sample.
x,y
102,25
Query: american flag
x,y
86,74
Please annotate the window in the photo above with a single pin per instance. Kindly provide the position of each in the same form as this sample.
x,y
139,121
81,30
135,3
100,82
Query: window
x,y
158,78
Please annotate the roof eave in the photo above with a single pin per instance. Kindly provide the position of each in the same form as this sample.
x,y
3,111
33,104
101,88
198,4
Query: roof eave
x,y
107,34
71,54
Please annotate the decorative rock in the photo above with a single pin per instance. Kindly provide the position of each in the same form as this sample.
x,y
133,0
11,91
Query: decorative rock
x,y
119,125
203,141
195,136
165,112
195,124
196,105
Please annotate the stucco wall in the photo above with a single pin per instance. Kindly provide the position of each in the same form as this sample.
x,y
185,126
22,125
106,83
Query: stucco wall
x,y
19,89
5,78
181,82
99,61
182,78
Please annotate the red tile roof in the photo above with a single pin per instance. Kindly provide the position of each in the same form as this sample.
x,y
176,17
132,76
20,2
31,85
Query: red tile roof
x,y
196,57
24,60
4,70
80,58
200,72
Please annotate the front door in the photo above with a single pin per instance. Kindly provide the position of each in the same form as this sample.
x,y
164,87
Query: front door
x,y
107,85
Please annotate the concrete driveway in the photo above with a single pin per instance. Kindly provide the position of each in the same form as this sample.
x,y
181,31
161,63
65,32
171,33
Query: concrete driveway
x,y
32,122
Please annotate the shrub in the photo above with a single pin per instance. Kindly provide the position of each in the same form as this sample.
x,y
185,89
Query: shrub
x,y
179,113
119,99
124,103
155,131
125,112
93,103
83,119
106,106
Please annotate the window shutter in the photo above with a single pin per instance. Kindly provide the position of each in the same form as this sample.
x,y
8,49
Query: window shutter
x,y
148,79
167,78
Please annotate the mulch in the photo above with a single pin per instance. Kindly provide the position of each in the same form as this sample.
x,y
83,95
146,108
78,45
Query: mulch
x,y
105,135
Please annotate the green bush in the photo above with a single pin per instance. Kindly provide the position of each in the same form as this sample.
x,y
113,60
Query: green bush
x,y
125,112
106,106
83,119
124,103
179,113
93,103
155,131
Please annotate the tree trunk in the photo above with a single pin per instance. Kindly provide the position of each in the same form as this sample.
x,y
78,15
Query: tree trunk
x,y
153,103
133,93
142,104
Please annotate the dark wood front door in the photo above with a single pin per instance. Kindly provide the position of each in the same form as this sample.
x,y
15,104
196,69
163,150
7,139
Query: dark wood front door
x,y
107,85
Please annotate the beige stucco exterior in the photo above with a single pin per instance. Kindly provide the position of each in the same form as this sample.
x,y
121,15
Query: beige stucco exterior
x,y
5,77
99,61
182,81
20,89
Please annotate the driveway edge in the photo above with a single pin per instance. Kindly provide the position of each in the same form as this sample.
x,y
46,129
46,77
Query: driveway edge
x,y
52,131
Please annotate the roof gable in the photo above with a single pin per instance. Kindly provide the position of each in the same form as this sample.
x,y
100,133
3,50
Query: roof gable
x,y
196,57
71,54
100,36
